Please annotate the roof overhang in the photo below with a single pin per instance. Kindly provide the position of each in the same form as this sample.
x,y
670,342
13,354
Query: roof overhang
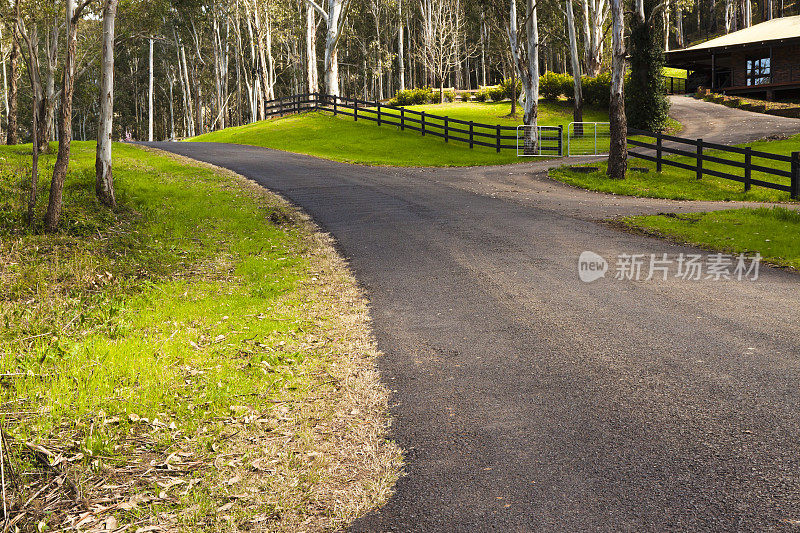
x,y
702,55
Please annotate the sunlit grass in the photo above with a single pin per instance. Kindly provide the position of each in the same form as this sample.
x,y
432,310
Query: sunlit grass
x,y
679,184
343,139
772,232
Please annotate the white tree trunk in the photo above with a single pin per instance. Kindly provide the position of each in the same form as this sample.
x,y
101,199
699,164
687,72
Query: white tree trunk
x,y
483,50
189,97
576,64
104,181
595,14
311,50
150,97
666,25
401,66
532,92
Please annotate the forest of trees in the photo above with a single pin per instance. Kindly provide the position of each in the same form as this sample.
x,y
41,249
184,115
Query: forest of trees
x,y
214,63
165,69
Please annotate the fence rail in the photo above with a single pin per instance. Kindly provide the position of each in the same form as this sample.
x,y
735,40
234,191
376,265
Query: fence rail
x,y
695,149
473,133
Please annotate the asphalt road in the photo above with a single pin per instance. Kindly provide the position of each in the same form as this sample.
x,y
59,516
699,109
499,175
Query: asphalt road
x,y
527,400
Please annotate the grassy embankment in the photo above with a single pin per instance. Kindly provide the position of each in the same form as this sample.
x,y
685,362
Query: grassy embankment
x,y
771,232
196,359
679,184
341,139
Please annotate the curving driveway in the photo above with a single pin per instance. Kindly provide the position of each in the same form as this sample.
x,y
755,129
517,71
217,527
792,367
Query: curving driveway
x,y
527,400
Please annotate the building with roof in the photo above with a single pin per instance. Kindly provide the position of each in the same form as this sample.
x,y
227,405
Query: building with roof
x,y
762,61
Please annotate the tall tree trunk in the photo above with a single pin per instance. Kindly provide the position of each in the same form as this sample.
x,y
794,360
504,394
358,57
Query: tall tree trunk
x,y
401,66
55,201
5,83
104,177
483,50
32,60
334,21
312,78
12,136
577,109
190,97
618,152
270,63
47,114
532,94
666,25
150,109
679,25
595,13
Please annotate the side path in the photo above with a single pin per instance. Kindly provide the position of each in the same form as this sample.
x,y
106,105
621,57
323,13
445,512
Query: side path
x,y
529,401
528,183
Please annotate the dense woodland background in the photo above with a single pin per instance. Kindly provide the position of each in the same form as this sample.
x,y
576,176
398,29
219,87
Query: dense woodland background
x,y
215,62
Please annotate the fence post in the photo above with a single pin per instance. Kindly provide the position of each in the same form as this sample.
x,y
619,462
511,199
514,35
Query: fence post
x,y
498,138
297,103
446,123
335,109
402,118
422,123
560,140
658,152
699,158
747,170
355,109
795,184
471,125
280,106
379,113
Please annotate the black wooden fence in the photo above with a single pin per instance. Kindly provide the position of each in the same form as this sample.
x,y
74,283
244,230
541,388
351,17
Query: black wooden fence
x,y
497,137
696,150
450,129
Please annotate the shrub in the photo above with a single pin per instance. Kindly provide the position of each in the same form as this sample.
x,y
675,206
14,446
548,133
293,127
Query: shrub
x,y
506,85
450,96
412,97
497,94
551,85
481,95
465,96
568,87
597,91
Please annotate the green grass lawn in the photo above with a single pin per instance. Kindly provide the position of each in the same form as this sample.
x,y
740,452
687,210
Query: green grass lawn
x,y
679,184
341,139
675,72
550,113
772,232
200,321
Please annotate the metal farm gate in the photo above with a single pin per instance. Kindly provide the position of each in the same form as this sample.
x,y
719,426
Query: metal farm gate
x,y
545,141
588,138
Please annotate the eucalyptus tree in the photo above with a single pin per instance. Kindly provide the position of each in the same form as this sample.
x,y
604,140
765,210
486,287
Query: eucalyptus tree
x,y
72,16
595,16
104,177
618,151
334,19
